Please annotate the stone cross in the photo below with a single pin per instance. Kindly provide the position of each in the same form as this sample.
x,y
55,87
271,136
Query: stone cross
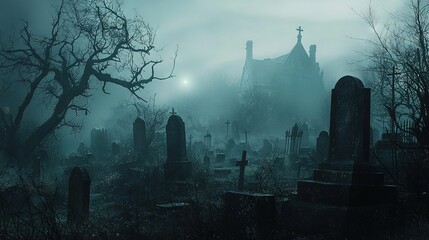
x,y
242,164
173,112
78,196
299,33
227,127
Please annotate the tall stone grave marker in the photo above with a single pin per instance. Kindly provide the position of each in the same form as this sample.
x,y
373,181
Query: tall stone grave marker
x,y
99,142
349,128
177,167
322,146
78,196
346,195
139,132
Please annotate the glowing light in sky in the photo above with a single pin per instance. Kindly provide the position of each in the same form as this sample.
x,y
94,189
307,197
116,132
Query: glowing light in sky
x,y
185,82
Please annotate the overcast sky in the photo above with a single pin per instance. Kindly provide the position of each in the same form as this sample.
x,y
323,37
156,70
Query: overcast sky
x,y
211,35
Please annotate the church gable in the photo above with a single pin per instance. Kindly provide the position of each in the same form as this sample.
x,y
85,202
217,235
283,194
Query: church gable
x,y
294,68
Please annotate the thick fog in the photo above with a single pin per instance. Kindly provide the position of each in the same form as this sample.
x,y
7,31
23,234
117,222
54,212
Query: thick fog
x,y
210,40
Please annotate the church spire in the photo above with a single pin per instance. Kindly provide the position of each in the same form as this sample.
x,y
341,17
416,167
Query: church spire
x,y
299,33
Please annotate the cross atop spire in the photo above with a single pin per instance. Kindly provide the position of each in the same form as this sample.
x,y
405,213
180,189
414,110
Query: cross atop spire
x,y
173,112
299,33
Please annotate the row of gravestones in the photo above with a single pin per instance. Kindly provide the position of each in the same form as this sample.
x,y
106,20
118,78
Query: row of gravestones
x,y
177,167
347,196
345,192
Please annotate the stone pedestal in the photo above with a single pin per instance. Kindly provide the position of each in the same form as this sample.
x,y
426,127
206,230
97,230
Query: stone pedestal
x,y
342,199
178,170
347,195
250,215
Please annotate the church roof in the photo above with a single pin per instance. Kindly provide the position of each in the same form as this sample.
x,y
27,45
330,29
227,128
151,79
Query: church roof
x,y
298,53
266,72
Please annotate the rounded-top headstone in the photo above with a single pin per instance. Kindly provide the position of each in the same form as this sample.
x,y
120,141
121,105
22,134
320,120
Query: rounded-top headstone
x,y
349,126
176,141
139,132
324,135
349,82
78,195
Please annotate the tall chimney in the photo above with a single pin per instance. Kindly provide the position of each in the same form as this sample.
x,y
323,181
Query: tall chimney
x,y
249,50
313,53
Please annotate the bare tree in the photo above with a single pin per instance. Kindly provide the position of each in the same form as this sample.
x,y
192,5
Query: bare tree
x,y
402,45
88,42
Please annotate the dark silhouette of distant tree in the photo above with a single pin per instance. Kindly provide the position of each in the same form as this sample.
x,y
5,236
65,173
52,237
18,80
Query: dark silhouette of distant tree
x,y
88,42
402,43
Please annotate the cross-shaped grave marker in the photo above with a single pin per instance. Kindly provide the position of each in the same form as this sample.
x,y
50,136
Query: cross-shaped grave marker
x,y
242,164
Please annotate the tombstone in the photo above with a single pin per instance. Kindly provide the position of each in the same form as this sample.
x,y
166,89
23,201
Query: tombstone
x,y
99,142
347,194
78,196
139,133
250,215
235,131
177,166
322,146
230,145
349,126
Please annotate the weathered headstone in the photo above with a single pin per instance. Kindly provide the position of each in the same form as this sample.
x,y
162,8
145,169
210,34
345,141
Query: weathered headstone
x,y
230,146
349,128
139,132
250,215
99,142
177,167
322,146
347,194
78,196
